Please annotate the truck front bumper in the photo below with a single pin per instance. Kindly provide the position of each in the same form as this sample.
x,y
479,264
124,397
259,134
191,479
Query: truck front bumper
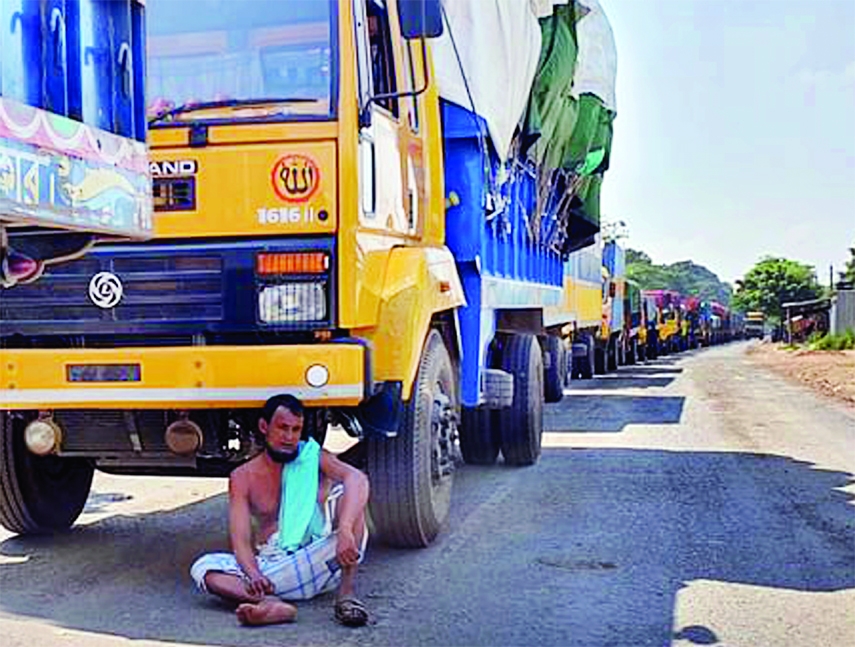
x,y
331,374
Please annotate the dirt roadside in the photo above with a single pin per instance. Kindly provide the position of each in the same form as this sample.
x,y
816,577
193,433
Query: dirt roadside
x,y
830,373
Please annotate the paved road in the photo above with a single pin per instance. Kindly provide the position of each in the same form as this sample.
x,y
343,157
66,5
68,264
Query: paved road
x,y
693,501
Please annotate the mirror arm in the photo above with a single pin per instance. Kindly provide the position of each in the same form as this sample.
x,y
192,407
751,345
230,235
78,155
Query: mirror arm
x,y
365,113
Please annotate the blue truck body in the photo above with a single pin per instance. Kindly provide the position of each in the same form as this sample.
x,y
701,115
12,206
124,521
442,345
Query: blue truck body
x,y
73,160
503,264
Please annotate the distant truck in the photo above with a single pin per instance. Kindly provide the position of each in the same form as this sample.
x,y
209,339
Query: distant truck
x,y
73,164
634,334
582,298
754,325
622,334
609,339
667,320
595,294
692,323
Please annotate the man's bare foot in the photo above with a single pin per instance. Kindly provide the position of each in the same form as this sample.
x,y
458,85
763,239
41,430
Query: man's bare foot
x,y
269,611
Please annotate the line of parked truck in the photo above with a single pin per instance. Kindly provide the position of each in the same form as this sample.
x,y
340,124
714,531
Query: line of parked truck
x,y
637,325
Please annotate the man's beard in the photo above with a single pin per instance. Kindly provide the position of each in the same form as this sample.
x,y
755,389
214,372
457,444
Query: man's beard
x,y
279,456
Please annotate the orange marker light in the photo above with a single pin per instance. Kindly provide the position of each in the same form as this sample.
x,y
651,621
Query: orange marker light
x,y
292,263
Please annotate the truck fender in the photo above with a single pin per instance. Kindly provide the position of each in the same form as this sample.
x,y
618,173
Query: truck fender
x,y
420,285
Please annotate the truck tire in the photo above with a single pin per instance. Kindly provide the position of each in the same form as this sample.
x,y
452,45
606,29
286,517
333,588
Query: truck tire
x,y
411,474
479,438
38,494
612,355
600,360
521,427
652,347
555,374
583,367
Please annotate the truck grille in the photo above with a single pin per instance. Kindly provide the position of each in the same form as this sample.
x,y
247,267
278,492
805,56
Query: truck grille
x,y
174,194
156,288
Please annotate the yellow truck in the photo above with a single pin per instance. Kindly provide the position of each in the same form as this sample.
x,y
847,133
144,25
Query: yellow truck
x,y
668,321
581,310
755,325
346,210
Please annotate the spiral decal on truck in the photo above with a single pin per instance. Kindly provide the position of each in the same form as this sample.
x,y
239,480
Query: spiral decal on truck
x,y
105,290
295,177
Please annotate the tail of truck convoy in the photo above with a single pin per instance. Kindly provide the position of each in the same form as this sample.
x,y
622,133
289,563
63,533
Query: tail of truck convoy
x,y
73,164
382,208
755,325
631,325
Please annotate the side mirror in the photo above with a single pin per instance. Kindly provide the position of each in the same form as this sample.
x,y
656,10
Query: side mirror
x,y
420,18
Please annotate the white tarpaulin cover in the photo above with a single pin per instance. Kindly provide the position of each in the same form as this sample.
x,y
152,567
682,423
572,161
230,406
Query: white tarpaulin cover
x,y
545,8
498,42
596,65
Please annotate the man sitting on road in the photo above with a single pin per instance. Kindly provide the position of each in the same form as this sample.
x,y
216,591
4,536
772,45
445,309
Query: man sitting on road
x,y
309,508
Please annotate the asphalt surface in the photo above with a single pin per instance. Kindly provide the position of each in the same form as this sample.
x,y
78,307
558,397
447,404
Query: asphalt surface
x,y
696,500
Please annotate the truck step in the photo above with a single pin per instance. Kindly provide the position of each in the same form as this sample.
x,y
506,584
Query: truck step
x,y
498,388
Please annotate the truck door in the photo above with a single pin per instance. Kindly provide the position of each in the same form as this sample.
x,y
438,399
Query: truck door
x,y
389,147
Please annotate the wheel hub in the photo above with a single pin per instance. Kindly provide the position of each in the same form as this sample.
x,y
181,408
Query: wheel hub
x,y
443,436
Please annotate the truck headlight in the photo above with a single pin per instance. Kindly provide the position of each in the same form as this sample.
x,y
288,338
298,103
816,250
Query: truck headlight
x,y
292,302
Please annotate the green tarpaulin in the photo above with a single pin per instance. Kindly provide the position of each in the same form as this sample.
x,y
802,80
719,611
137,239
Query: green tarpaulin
x,y
566,134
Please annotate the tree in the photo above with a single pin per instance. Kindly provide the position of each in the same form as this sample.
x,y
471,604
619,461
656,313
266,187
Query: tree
x,y
685,277
633,257
773,282
696,280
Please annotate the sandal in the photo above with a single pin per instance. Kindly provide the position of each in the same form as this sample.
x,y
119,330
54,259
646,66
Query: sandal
x,y
351,612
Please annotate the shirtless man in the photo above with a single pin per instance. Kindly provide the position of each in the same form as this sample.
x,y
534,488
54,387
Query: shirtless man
x,y
260,579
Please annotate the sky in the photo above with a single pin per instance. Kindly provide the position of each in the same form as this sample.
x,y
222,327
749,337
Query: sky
x,y
735,131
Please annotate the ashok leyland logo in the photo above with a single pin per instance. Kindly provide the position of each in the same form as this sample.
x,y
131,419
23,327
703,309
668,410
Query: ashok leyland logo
x,y
105,290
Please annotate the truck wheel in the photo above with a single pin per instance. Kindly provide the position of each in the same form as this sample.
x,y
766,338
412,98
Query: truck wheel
x,y
653,347
521,427
479,438
554,375
588,368
38,494
600,360
412,473
612,356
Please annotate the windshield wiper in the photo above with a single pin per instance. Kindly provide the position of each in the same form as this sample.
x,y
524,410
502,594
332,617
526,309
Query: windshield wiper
x,y
224,103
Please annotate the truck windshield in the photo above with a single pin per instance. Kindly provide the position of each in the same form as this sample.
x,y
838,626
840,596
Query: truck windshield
x,y
247,59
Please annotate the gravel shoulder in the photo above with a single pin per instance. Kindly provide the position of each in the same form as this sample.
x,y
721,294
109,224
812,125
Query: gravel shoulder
x,y
830,373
